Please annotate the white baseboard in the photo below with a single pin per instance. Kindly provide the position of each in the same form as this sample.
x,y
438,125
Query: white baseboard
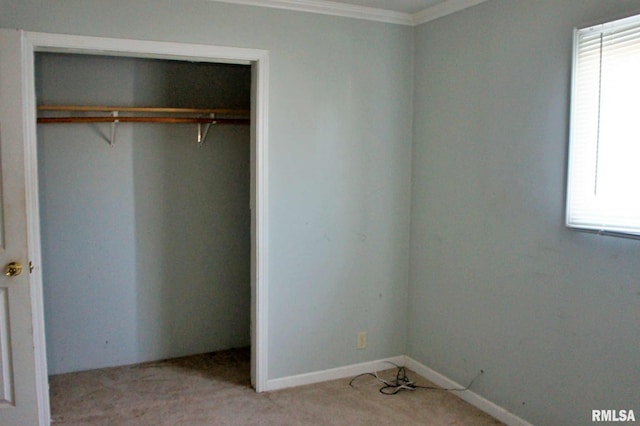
x,y
471,397
334,373
382,364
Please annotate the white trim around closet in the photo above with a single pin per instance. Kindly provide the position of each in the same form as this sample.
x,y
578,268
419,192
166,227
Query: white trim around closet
x,y
46,42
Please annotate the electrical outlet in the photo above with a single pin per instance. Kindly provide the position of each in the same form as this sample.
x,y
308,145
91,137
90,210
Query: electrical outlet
x,y
362,340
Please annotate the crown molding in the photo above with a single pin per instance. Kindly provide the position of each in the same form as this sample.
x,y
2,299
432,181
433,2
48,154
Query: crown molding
x,y
439,10
326,7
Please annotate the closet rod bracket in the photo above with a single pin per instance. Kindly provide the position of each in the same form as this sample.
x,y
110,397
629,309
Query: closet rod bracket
x,y
112,141
203,135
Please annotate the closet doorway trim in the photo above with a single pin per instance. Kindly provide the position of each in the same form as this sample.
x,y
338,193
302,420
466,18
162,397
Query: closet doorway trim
x,y
259,61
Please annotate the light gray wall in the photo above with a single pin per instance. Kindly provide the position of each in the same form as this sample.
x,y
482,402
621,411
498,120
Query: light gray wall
x,y
88,233
497,282
340,137
145,245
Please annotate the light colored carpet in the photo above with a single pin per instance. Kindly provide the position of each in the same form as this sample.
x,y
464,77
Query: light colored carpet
x,y
214,389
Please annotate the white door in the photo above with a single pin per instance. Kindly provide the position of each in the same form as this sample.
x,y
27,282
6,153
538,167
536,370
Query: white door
x,y
18,384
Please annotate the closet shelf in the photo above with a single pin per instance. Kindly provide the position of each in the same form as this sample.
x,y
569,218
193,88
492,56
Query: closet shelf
x,y
199,116
127,119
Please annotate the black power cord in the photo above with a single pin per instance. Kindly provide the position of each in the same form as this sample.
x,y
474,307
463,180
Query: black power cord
x,y
402,382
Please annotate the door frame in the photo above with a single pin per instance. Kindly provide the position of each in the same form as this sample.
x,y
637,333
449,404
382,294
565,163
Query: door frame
x,y
33,42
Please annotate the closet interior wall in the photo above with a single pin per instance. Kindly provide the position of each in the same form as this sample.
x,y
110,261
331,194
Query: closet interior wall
x,y
146,244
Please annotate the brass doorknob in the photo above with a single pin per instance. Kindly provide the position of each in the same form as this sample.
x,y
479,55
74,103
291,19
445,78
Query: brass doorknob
x,y
13,269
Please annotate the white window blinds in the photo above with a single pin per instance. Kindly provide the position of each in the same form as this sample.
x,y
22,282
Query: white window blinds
x,y
603,193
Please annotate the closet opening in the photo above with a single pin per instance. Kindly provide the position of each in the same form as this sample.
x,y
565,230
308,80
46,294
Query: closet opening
x,y
145,226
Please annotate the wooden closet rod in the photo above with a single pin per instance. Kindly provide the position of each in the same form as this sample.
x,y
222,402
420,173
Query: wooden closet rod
x,y
183,115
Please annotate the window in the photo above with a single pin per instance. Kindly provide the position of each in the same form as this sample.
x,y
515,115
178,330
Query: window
x,y
603,192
